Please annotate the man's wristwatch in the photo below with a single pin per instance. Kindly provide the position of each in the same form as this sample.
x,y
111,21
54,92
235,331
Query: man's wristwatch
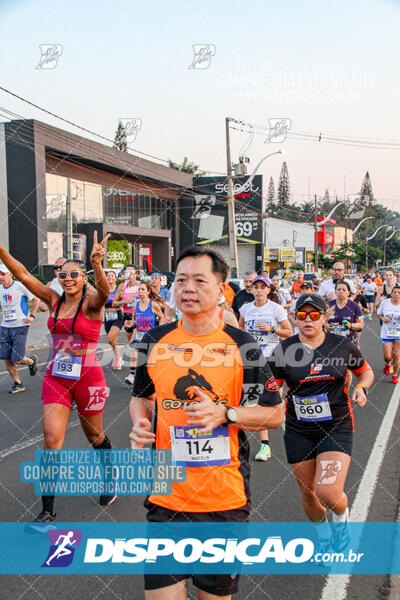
x,y
32,316
231,415
273,329
363,386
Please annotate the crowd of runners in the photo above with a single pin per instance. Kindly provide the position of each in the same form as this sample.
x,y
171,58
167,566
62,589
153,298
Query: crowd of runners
x,y
208,354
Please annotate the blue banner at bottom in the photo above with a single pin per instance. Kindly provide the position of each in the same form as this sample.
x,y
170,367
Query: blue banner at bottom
x,y
246,548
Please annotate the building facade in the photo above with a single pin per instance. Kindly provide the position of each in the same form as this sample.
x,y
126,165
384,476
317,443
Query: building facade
x,y
287,243
47,169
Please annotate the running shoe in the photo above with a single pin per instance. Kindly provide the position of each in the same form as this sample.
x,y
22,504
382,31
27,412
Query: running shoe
x,y
42,524
386,369
34,366
118,364
395,379
17,387
106,500
264,453
340,538
129,379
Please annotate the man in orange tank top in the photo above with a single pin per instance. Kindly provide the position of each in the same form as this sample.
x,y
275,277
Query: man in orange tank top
x,y
207,382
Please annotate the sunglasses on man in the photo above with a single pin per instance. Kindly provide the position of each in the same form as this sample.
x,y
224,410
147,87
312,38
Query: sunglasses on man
x,y
72,274
315,315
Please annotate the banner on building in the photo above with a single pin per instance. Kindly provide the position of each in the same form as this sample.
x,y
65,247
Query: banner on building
x,y
118,254
287,255
78,246
208,216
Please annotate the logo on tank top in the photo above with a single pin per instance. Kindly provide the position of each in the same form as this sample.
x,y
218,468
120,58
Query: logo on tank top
x,y
98,396
315,368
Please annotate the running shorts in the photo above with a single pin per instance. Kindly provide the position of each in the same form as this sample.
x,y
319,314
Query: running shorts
x,y
219,585
369,298
89,391
13,342
389,340
116,323
301,447
128,317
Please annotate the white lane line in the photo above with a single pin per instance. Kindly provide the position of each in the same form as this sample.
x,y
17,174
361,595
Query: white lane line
x,y
30,442
336,585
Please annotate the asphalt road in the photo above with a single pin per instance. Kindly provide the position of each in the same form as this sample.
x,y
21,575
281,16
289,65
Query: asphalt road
x,y
274,492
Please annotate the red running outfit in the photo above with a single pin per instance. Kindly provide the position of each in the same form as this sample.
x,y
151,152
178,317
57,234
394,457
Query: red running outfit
x,y
73,374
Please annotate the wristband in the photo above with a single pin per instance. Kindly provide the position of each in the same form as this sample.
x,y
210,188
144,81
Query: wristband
x,y
363,386
33,316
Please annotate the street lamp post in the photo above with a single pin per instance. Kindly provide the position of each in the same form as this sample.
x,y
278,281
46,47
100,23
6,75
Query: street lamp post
x,y
233,253
386,240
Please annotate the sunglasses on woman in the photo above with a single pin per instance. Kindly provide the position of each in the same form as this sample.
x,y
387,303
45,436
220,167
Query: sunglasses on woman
x,y
315,315
72,274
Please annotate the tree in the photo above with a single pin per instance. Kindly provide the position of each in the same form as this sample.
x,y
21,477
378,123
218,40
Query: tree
x,y
284,187
120,141
326,197
271,192
186,166
366,190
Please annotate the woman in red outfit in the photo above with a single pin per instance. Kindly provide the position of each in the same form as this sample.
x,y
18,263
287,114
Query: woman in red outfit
x,y
74,372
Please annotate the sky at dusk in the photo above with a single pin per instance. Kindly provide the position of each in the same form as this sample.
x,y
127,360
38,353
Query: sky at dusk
x,y
330,67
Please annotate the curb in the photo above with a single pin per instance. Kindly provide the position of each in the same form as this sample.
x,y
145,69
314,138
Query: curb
x,y
395,577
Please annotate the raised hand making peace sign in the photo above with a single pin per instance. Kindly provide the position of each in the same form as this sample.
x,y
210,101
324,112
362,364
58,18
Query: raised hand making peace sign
x,y
98,249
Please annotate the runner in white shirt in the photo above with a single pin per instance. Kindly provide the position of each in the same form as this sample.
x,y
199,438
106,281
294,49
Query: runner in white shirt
x,y
369,289
14,298
327,288
389,313
267,322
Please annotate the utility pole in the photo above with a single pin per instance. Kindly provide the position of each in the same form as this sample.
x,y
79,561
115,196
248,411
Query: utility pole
x,y
233,253
315,235
69,220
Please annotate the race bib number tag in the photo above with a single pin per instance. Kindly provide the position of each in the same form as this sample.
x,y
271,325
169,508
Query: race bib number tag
x,y
313,408
195,448
393,331
67,366
139,335
9,314
111,315
340,330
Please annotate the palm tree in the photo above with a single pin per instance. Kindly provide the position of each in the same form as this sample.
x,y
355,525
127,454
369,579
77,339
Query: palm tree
x,y
186,166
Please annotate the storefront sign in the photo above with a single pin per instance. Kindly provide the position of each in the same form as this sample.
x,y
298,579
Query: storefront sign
x,y
78,246
209,214
287,255
118,254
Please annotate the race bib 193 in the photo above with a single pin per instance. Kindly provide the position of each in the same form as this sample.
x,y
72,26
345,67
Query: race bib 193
x,y
196,448
313,408
67,366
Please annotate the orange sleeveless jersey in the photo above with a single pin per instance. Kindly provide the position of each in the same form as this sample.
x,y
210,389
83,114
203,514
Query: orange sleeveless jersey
x,y
219,365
